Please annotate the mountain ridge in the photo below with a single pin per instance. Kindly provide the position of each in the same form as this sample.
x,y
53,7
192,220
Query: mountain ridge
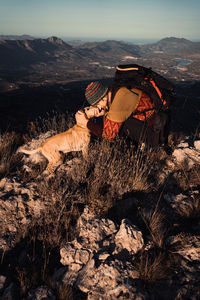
x,y
54,59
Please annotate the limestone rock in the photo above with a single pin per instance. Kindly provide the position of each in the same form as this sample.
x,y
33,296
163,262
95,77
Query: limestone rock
x,y
70,254
129,237
184,153
92,231
191,250
96,261
18,207
197,145
107,281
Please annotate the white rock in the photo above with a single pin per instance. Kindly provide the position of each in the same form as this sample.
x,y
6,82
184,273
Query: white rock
x,y
197,145
69,254
190,250
183,145
75,267
129,237
103,256
191,156
16,207
107,281
92,231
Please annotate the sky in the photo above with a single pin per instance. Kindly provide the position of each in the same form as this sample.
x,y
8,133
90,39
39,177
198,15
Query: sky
x,y
101,19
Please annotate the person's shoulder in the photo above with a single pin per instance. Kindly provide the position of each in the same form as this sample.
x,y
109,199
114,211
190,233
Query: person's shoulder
x,y
122,91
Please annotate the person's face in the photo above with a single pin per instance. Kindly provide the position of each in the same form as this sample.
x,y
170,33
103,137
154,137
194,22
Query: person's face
x,y
103,102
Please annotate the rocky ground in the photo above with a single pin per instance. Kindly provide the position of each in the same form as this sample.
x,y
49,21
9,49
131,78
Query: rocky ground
x,y
97,231
132,252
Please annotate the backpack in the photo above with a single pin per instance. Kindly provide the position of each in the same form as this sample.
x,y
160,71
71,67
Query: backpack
x,y
159,89
161,93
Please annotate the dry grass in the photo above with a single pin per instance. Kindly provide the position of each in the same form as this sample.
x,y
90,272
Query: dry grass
x,y
187,179
151,266
58,123
111,171
155,222
26,282
190,210
65,292
9,143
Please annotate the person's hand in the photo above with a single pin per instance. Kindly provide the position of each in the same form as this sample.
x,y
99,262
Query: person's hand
x,y
94,111
100,111
81,118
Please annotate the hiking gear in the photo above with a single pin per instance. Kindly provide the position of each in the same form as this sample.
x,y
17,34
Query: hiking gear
x,y
95,91
157,102
159,89
123,105
140,131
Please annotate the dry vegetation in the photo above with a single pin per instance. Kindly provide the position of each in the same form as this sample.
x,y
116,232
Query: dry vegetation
x,y
111,171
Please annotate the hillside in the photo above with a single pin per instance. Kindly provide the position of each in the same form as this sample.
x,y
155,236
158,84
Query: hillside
x,y
110,226
173,46
24,53
16,37
122,222
53,60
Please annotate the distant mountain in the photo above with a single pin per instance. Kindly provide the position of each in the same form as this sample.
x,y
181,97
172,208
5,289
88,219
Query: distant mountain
x,y
173,45
54,58
111,48
16,37
15,53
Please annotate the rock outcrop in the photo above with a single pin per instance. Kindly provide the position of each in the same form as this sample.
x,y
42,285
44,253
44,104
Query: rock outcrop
x,y
99,261
185,152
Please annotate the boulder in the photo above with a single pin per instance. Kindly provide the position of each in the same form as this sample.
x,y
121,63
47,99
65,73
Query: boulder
x,y
97,259
185,153
129,237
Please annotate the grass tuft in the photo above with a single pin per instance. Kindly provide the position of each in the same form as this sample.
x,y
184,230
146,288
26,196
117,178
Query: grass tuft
x,y
154,220
151,266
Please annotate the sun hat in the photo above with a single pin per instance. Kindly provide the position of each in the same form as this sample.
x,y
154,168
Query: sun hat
x,y
95,91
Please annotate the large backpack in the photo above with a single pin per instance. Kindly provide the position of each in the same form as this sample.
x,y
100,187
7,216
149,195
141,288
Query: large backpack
x,y
161,92
159,89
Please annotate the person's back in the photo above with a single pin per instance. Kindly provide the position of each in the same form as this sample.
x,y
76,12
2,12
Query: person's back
x,y
126,111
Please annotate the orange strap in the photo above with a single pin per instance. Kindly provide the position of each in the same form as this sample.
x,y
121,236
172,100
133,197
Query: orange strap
x,y
158,91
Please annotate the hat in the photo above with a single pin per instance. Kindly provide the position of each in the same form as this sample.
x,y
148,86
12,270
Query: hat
x,y
95,91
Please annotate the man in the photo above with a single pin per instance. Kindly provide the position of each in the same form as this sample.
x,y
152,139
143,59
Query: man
x,y
119,110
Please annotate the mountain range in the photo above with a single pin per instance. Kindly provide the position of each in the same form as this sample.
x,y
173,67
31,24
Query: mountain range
x,y
16,37
24,51
51,56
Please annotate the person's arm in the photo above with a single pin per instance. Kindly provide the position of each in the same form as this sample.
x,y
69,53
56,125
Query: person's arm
x,y
96,129
109,131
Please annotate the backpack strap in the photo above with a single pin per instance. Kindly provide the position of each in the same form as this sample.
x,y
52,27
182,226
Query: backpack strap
x,y
115,89
158,91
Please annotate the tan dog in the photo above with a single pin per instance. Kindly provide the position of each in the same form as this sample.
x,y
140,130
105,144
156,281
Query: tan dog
x,y
76,138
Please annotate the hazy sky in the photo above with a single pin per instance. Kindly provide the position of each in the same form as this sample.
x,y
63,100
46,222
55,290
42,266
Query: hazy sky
x,y
117,19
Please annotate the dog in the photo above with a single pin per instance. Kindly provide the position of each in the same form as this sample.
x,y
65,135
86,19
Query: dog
x,y
76,138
